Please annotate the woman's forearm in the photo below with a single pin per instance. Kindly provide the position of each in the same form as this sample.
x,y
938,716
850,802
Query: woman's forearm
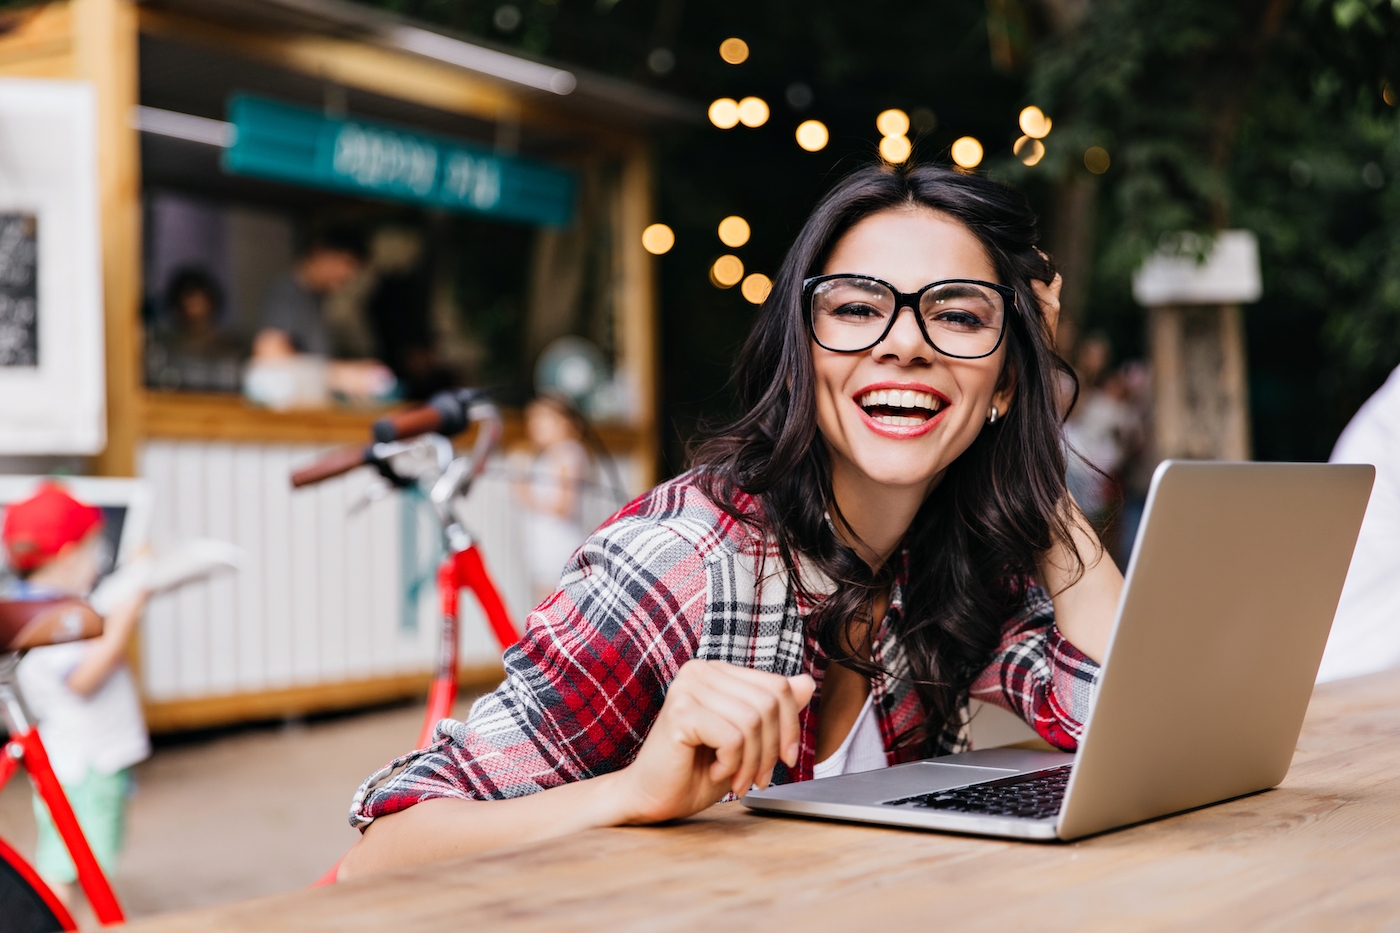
x,y
1084,607
444,828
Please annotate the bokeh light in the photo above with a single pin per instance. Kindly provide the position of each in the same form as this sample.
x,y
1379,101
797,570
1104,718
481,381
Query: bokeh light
x,y
756,288
658,239
734,51
724,113
967,152
1028,150
1389,96
726,271
892,123
895,149
733,231
753,111
1096,159
1034,122
812,135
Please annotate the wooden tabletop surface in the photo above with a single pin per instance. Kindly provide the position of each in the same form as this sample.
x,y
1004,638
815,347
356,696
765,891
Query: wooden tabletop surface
x,y
1322,851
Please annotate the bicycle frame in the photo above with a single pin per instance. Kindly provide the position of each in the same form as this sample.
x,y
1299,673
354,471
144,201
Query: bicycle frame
x,y
26,748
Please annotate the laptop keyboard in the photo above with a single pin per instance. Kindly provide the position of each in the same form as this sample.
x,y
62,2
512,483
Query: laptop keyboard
x,y
1034,796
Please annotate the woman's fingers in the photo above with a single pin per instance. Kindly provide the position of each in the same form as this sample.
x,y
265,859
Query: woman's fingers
x,y
754,711
1049,297
792,694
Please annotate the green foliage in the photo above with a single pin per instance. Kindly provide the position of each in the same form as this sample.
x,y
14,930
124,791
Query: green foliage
x,y
1257,115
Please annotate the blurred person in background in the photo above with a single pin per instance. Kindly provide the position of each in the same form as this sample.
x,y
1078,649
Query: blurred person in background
x,y
1366,630
293,321
399,313
550,497
82,693
186,348
1100,432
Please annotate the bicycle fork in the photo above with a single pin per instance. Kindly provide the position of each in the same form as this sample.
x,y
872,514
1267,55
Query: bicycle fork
x,y
463,568
25,747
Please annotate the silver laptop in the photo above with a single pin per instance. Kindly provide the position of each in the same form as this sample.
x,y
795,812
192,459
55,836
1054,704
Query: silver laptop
x,y
1230,593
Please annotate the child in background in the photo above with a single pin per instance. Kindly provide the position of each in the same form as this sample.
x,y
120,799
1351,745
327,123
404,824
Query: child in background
x,y
81,693
550,497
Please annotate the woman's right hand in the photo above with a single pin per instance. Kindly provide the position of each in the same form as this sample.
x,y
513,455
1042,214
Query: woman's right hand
x,y
722,728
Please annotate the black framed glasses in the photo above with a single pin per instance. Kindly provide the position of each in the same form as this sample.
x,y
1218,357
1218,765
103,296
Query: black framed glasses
x,y
961,318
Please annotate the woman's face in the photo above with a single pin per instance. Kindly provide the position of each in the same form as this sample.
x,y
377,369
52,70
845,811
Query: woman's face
x,y
908,248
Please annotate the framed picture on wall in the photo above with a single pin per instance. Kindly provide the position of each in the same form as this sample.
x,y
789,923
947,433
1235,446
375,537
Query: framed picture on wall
x,y
52,372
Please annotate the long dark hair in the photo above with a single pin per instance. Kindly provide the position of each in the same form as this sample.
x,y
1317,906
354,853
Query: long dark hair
x,y
972,546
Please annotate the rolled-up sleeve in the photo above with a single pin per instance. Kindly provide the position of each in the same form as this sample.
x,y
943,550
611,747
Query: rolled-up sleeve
x,y
1037,674
582,688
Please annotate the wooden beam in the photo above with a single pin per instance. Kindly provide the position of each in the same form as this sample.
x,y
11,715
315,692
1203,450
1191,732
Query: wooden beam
x,y
105,50
34,39
191,416
636,323
206,712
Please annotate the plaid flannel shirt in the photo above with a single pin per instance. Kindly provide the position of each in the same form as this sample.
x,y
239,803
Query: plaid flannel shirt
x,y
669,578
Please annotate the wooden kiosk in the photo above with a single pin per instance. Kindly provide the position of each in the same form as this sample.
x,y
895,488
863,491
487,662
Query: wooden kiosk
x,y
329,613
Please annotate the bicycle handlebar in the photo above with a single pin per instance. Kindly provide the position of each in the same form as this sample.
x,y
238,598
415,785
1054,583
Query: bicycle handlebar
x,y
446,413
332,464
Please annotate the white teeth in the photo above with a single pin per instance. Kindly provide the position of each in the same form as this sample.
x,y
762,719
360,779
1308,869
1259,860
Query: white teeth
x,y
897,398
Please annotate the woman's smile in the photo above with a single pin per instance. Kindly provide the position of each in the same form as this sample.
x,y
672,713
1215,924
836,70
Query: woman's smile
x,y
901,409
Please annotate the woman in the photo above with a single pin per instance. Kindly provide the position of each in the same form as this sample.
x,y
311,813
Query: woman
x,y
868,546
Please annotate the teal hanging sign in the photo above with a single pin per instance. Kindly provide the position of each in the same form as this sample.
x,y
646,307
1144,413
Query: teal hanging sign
x,y
294,144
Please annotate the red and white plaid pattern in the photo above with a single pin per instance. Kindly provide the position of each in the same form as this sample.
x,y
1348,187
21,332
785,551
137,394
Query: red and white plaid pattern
x,y
669,578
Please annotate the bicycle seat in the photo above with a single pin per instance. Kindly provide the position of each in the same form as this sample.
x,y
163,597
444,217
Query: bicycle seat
x,y
33,623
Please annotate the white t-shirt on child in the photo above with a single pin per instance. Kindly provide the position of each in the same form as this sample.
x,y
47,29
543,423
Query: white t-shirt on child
x,y
104,732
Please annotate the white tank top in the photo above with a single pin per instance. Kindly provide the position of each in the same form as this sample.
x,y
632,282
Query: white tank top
x,y
861,750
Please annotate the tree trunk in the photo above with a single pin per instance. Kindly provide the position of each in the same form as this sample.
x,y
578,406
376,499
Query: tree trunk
x,y
1200,393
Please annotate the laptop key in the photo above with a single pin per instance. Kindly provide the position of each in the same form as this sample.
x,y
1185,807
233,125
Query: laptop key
x,y
1035,796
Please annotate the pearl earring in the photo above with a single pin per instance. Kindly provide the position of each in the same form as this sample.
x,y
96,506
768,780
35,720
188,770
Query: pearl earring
x,y
992,418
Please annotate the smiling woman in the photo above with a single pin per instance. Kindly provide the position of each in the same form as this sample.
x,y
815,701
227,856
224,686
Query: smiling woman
x,y
885,533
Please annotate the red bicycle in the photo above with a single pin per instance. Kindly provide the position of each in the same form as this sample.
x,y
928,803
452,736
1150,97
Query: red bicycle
x,y
412,449
27,904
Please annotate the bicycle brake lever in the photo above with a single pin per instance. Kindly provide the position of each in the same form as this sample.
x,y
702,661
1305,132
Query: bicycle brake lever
x,y
372,493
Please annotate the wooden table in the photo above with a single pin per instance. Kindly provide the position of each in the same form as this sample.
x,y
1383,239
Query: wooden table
x,y
1320,852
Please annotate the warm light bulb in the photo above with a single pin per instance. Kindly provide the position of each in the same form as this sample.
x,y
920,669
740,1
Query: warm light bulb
x,y
1034,122
895,149
727,271
658,239
734,232
967,152
812,135
756,288
1029,151
892,123
1096,159
753,111
734,51
724,113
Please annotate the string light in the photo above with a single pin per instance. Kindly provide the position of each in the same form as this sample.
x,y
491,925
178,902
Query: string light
x,y
753,111
1096,159
1028,150
756,288
895,149
726,271
892,123
658,239
967,152
1034,122
734,232
812,135
724,113
734,51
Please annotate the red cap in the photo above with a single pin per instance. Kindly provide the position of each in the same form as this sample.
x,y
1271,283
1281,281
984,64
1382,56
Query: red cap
x,y
37,528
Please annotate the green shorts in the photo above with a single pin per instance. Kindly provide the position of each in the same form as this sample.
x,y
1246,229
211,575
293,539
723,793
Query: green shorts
x,y
99,801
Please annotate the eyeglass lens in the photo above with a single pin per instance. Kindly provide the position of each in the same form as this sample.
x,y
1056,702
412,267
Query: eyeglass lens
x,y
962,318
